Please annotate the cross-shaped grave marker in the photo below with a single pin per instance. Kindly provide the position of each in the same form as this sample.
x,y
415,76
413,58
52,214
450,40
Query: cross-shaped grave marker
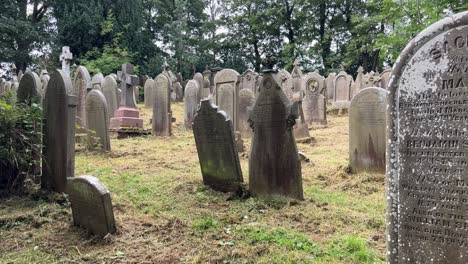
x,y
66,58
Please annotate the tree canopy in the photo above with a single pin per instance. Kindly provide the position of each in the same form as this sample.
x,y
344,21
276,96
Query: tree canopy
x,y
192,34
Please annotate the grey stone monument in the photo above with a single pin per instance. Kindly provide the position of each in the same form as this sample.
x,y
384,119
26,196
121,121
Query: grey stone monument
x,y
148,89
58,160
249,81
109,89
66,58
214,137
226,84
162,116
342,92
29,88
81,83
97,81
274,164
91,205
427,147
297,75
246,104
314,103
385,77
97,119
190,102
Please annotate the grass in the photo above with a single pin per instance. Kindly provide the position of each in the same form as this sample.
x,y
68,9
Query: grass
x,y
165,214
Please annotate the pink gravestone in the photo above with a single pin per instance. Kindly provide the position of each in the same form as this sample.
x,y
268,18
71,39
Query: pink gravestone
x,y
127,116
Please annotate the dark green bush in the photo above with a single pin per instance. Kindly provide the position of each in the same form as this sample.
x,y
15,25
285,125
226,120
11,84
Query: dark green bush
x,y
20,142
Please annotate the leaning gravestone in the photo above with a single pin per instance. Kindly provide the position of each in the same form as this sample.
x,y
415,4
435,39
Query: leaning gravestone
x,y
314,102
97,119
274,164
342,91
246,103
81,84
91,205
109,89
162,117
29,88
148,90
190,102
227,93
58,132
427,149
214,137
367,130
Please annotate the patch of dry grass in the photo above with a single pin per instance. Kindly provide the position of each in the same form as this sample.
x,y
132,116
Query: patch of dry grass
x,y
165,215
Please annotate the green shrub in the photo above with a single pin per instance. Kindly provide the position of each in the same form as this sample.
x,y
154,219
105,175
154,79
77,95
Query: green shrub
x,y
20,142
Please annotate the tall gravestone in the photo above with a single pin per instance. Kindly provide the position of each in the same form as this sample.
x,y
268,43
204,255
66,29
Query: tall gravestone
x,y
149,93
66,58
190,102
314,103
214,138
246,104
58,160
44,81
274,164
97,119
227,93
29,88
330,84
297,75
162,116
198,77
109,89
81,84
367,130
127,116
427,149
286,83
359,82
91,205
249,81
342,91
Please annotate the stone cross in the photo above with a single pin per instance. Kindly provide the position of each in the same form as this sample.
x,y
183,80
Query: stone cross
x,y
65,58
127,81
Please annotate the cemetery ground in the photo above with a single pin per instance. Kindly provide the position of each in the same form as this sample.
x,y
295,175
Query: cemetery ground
x,y
165,214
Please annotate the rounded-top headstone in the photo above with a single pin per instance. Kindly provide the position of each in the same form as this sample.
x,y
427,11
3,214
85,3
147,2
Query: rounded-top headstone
x,y
427,147
29,87
97,81
97,118
109,89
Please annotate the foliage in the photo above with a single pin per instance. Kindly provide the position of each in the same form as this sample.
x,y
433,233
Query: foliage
x,y
20,142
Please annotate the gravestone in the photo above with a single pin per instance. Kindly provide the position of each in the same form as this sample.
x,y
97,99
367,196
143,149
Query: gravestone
x,y
7,86
58,139
20,75
249,81
127,116
162,116
179,92
209,80
91,205
246,103
81,83
44,81
96,81
198,77
371,79
314,103
149,90
286,83
214,138
330,84
190,102
342,91
427,147
385,77
205,89
274,164
109,89
367,130
359,82
297,75
66,58
29,88
227,93
97,119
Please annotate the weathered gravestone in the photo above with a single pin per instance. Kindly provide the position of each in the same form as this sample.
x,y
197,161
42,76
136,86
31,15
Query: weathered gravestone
x,y
149,93
342,92
66,58
385,77
246,104
91,205
29,88
314,102
427,149
44,81
297,75
97,80
127,116
371,79
178,90
274,164
190,102
367,130
58,160
249,81
227,93
198,77
97,119
214,137
109,89
330,84
286,83
359,82
81,84
162,116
